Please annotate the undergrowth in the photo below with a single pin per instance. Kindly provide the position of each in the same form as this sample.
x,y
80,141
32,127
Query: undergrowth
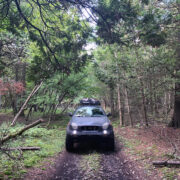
x,y
146,155
50,140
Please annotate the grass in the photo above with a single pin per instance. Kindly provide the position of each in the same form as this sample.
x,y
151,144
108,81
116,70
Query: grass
x,y
50,139
169,173
7,111
146,155
115,123
90,164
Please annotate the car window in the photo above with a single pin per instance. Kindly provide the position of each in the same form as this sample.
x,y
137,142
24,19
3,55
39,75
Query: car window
x,y
89,111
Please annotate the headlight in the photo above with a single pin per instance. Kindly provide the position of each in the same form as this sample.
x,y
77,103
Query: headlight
x,y
74,126
105,126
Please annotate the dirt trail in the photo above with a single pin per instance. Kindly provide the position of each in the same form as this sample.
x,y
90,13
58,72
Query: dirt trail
x,y
108,165
113,166
67,167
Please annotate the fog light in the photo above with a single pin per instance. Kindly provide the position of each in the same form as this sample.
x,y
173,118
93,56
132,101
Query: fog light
x,y
74,132
105,132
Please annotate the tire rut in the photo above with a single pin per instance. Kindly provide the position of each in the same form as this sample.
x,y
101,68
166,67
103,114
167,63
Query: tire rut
x,y
67,167
114,166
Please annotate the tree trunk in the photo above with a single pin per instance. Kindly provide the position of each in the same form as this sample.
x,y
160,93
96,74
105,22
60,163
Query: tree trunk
x,y
119,105
151,96
24,74
166,163
13,102
143,102
36,88
112,101
28,114
104,100
16,72
11,136
21,148
128,107
118,91
176,117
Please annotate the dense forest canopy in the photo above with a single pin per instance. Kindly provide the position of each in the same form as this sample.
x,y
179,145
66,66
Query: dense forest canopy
x,y
133,70
124,53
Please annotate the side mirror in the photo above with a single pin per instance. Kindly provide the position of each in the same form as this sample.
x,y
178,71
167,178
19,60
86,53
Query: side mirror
x,y
109,114
70,114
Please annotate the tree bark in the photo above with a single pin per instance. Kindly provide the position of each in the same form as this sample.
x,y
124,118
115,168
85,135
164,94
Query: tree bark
x,y
36,88
11,136
118,91
166,163
21,148
143,102
112,101
119,105
151,96
176,116
128,107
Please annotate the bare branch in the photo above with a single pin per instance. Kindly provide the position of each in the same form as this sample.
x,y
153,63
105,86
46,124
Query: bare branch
x,y
12,136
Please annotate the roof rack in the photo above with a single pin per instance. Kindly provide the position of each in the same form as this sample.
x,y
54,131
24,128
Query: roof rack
x,y
89,101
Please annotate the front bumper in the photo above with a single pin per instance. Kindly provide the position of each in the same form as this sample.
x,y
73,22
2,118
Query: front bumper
x,y
90,135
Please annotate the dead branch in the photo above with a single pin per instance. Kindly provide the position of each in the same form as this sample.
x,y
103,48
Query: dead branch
x,y
21,148
11,136
35,89
166,163
11,156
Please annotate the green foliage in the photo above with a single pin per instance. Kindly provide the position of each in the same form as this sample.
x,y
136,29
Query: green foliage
x,y
151,31
65,39
39,132
116,20
51,43
13,49
51,141
127,22
129,67
59,88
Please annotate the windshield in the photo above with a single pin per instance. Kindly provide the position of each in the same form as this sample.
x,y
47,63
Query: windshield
x,y
89,111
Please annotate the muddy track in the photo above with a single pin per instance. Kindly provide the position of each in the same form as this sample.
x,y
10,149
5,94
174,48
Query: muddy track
x,y
112,166
67,167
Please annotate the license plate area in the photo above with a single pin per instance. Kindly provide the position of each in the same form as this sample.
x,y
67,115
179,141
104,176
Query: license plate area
x,y
89,128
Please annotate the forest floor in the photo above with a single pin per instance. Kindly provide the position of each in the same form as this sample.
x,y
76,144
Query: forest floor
x,y
135,150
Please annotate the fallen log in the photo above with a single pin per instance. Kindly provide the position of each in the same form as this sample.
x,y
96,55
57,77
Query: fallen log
x,y
166,163
35,89
11,136
21,149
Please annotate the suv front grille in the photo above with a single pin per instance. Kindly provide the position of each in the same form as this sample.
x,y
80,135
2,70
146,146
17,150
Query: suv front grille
x,y
89,128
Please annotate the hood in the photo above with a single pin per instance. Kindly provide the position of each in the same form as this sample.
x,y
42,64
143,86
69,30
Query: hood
x,y
90,121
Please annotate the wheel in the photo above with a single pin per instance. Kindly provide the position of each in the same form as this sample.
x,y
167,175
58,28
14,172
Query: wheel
x,y
69,144
111,145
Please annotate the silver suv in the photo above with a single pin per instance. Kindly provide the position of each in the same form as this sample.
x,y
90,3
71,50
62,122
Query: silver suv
x,y
89,122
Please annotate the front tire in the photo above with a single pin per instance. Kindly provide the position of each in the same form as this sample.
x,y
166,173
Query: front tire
x,y
69,144
111,145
